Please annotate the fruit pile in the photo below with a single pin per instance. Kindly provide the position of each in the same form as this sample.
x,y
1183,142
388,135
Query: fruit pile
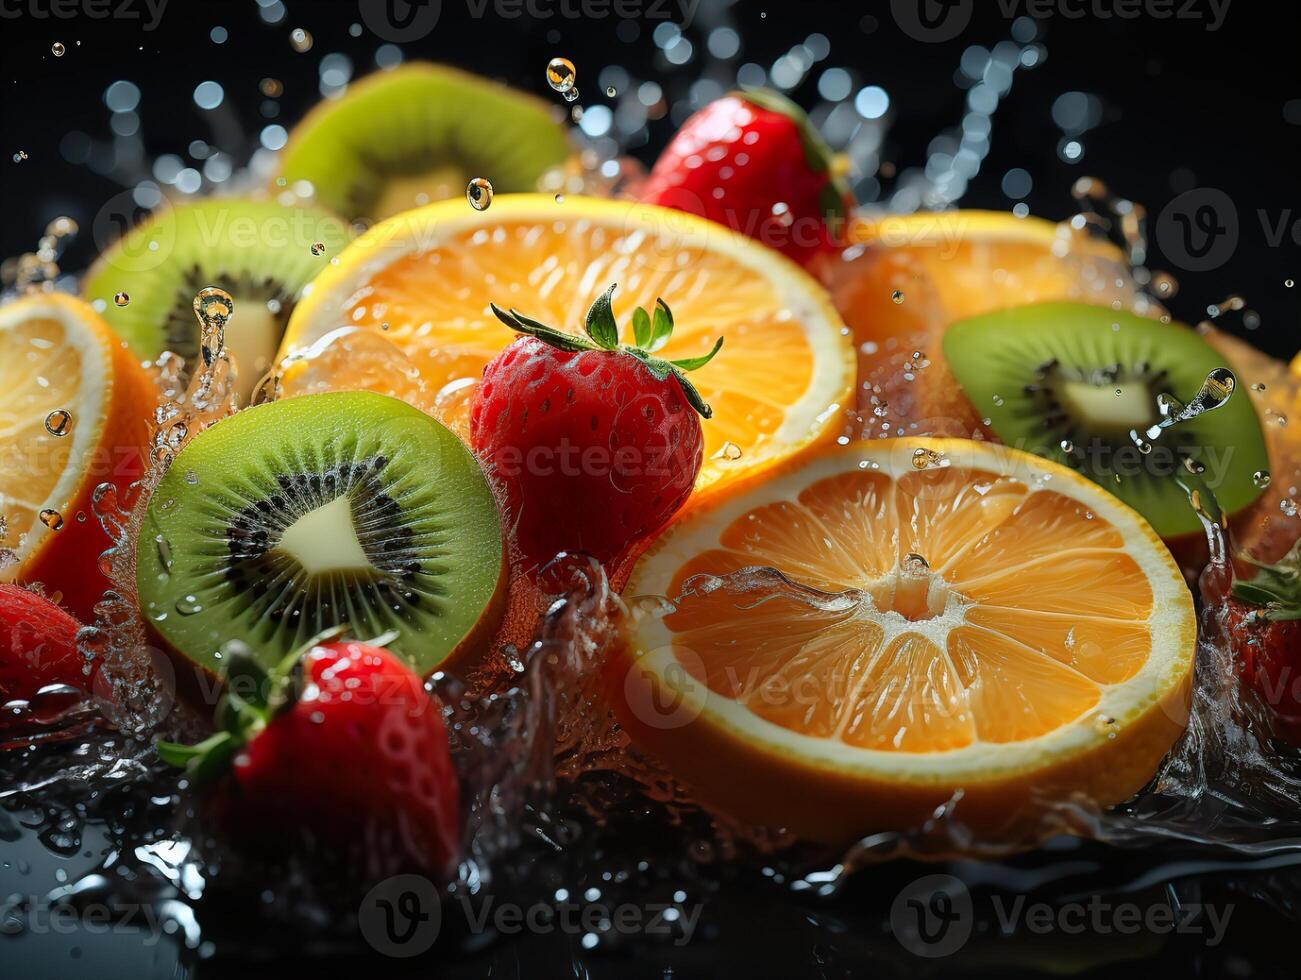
x,y
441,399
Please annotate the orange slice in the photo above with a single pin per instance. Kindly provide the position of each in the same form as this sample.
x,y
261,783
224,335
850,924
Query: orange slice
x,y
74,413
909,277
424,279
990,628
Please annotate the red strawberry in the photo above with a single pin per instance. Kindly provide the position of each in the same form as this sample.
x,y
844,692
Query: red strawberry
x,y
595,445
341,742
38,645
1262,621
752,162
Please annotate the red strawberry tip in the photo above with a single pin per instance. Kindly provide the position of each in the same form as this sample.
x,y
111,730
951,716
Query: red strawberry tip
x,y
651,331
1274,589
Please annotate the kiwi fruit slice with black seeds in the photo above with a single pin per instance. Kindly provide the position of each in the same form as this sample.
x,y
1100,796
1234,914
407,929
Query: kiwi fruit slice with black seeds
x,y
1081,385
419,133
261,252
296,516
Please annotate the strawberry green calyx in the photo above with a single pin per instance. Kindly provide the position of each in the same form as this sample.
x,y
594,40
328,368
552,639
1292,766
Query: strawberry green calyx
x,y
651,331
1274,588
817,154
252,697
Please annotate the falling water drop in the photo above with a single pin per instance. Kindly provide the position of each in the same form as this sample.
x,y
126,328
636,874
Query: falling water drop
x,y
301,40
57,49
561,74
1261,478
897,297
214,307
52,519
58,422
479,193
121,299
318,248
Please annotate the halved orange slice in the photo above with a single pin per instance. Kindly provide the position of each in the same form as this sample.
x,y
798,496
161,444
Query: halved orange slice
x,y
424,281
988,628
74,413
909,277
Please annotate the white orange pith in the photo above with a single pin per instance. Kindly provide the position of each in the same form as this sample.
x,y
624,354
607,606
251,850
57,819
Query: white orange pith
x,y
74,407
423,281
1003,629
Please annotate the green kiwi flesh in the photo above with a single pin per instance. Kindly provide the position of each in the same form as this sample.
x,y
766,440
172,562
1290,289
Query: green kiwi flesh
x,y
1070,381
418,133
292,517
261,252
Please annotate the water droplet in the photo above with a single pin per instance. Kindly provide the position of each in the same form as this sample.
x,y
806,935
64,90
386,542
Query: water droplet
x,y
897,297
164,552
571,95
728,450
781,213
121,299
188,606
1258,386
301,40
318,248
20,156
1067,446
58,422
57,49
1288,507
52,519
272,88
923,458
1105,725
611,91
1289,283
1260,478
479,193
914,564
214,307
560,198
561,74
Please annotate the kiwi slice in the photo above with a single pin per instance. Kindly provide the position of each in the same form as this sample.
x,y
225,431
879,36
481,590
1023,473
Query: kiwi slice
x,y
1082,385
420,133
260,252
287,519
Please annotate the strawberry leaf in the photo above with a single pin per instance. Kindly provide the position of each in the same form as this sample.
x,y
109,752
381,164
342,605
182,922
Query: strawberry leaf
x,y
600,324
641,328
693,363
1276,588
662,329
548,335
693,396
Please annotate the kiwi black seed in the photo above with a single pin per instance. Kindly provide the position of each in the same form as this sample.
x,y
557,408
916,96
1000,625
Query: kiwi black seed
x,y
260,252
419,133
1080,384
296,516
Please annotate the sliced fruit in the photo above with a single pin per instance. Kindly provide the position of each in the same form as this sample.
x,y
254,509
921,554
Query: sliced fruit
x,y
289,518
261,252
1080,384
403,138
908,277
991,629
74,413
426,279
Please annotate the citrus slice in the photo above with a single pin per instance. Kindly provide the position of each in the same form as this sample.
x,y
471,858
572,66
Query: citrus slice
x,y
425,279
74,411
990,628
910,276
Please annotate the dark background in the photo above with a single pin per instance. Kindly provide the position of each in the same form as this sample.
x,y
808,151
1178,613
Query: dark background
x,y
1184,108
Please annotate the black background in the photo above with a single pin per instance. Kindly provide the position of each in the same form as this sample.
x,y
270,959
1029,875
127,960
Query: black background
x,y
1184,107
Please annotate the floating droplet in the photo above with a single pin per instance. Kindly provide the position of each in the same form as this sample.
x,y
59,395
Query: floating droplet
x,y
611,91
571,95
121,299
1067,446
897,297
1260,478
20,156
561,74
57,49
52,519
479,193
301,40
58,422
214,308
1288,507
318,248
728,450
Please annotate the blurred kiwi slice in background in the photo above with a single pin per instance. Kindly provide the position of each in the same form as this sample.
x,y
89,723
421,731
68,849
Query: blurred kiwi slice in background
x,y
419,133
296,516
261,252
1082,385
